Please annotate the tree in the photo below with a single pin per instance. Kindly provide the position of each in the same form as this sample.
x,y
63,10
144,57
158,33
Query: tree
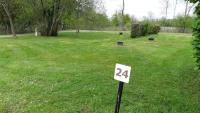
x,y
175,6
150,15
127,20
165,5
183,22
6,4
81,7
115,19
49,14
133,19
119,17
188,8
122,21
196,32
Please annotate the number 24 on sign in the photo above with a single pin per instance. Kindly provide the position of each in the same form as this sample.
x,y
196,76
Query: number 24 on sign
x,y
122,73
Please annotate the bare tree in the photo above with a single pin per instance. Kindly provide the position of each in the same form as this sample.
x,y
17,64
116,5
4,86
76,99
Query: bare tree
x,y
188,8
122,20
165,5
133,19
150,15
100,6
4,4
175,6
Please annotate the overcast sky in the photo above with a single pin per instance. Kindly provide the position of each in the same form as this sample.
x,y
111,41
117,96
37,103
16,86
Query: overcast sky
x,y
140,8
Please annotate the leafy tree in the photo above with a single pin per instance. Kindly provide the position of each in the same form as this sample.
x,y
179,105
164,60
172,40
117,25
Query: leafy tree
x,y
49,14
115,20
117,17
81,7
196,33
127,20
184,22
179,21
9,10
88,16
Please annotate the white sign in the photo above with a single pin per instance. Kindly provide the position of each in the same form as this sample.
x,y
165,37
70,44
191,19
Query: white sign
x,y
122,73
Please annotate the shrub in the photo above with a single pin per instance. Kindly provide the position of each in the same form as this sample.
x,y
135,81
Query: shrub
x,y
144,29
196,33
155,29
196,42
151,38
135,30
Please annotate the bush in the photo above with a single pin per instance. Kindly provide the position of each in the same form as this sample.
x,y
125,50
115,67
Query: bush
x,y
151,38
144,29
196,42
154,29
196,33
135,31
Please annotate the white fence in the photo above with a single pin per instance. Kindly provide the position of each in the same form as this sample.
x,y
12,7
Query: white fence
x,y
175,30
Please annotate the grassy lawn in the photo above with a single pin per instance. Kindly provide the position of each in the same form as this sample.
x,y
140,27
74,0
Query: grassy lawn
x,y
74,74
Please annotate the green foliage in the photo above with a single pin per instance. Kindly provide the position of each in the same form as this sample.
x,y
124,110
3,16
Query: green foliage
x,y
49,16
153,29
178,21
116,20
196,42
196,33
135,31
143,29
16,10
127,21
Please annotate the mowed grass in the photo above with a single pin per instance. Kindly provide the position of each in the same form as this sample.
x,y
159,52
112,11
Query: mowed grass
x,y
74,74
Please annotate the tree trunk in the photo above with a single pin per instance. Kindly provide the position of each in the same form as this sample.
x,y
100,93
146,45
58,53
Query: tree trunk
x,y
7,29
10,20
176,2
185,15
122,21
78,16
78,22
54,31
166,9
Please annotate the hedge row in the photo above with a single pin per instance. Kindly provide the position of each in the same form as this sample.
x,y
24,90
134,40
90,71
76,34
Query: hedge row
x,y
138,30
196,33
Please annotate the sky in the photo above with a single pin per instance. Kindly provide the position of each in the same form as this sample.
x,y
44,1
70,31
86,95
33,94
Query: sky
x,y
141,8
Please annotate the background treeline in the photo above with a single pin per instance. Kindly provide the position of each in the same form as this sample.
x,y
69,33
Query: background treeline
x,y
50,16
181,22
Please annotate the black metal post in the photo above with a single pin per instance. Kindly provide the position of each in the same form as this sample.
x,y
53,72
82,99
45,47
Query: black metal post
x,y
119,95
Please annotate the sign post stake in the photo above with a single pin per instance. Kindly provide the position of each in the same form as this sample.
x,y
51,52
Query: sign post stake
x,y
119,95
122,74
